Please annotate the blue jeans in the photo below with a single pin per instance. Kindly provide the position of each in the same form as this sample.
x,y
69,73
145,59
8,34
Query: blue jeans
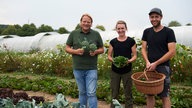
x,y
87,84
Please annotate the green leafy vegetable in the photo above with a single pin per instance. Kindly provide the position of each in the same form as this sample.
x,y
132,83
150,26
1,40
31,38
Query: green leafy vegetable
x,y
120,61
6,103
60,101
116,103
142,79
92,47
85,44
24,104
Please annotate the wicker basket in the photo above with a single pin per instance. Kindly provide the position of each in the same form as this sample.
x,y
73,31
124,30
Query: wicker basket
x,y
153,83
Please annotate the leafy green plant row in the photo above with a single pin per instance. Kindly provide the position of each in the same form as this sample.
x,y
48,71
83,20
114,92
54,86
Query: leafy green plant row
x,y
59,102
60,63
181,96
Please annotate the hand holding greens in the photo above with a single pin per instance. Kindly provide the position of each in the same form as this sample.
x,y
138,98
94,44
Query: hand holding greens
x,y
120,61
86,45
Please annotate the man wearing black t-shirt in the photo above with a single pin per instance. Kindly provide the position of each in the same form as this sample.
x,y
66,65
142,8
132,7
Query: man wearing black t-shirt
x,y
158,47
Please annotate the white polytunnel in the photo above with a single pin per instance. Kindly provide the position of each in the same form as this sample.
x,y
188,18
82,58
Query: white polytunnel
x,y
50,40
41,41
17,43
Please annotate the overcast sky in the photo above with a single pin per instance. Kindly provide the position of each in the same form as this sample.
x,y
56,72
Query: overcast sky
x,y
67,13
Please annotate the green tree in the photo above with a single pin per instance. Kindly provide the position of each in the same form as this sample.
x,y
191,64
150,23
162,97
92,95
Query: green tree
x,y
18,29
63,30
27,30
188,24
45,28
101,27
174,24
3,27
77,27
10,30
17,26
1,30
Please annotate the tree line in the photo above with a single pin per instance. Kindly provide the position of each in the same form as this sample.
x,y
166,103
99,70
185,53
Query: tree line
x,y
28,29
31,29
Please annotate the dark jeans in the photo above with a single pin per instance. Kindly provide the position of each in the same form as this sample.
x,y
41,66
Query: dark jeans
x,y
127,85
167,72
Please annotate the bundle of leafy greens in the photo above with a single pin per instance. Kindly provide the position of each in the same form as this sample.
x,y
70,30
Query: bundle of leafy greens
x,y
86,45
92,47
120,61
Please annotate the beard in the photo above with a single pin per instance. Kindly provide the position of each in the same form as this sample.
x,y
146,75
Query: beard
x,y
156,25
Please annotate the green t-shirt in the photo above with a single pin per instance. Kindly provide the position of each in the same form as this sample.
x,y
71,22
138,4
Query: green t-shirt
x,y
84,61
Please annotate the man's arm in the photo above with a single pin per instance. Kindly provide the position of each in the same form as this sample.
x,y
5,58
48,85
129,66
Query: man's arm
x,y
69,50
144,53
166,57
169,54
98,51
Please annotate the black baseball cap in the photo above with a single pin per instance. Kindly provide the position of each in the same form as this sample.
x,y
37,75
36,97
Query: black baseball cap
x,y
156,10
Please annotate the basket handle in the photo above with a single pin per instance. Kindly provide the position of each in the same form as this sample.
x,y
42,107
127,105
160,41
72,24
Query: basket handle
x,y
144,73
145,70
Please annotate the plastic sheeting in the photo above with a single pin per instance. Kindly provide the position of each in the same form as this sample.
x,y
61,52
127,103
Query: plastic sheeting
x,y
50,40
41,41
